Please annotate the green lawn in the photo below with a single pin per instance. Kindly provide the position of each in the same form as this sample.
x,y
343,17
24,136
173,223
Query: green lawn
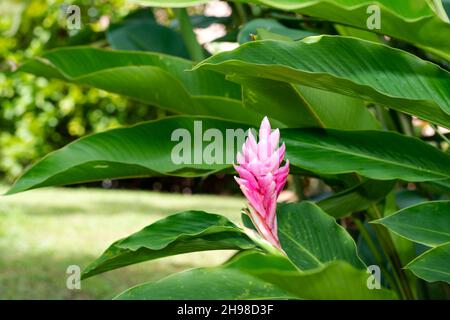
x,y
42,232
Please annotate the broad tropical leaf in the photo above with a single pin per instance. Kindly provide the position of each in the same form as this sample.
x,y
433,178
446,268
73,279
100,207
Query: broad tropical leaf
x,y
147,149
78,63
411,21
374,154
138,151
433,265
152,78
183,232
336,280
377,73
206,284
311,238
258,276
427,223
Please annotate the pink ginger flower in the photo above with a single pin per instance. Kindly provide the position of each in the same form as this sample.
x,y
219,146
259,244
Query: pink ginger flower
x,y
261,178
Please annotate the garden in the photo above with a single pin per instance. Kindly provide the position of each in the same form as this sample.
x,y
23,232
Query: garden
x,y
225,150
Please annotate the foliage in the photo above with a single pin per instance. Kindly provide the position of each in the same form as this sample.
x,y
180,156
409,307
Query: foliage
x,y
337,101
39,115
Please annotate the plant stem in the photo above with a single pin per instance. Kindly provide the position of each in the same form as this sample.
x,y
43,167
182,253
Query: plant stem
x,y
405,123
385,118
241,12
188,34
366,236
387,244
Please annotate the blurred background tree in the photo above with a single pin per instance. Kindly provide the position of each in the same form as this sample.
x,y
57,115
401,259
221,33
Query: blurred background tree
x,y
39,115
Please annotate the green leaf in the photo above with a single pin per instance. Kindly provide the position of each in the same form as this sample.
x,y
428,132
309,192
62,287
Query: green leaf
x,y
206,284
74,63
373,154
141,32
335,280
138,151
356,198
407,198
146,150
255,27
433,265
311,107
411,21
255,275
378,73
183,232
152,78
427,223
171,3
312,238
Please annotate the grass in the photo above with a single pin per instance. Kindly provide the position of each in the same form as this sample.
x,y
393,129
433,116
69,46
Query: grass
x,y
42,232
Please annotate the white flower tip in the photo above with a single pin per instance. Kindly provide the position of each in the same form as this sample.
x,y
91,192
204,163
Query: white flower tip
x,y
265,129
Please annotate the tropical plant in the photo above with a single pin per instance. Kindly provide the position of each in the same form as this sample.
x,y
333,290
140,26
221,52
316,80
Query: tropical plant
x,y
354,106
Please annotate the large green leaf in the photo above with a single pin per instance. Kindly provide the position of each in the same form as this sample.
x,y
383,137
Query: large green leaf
x,y
152,78
183,232
348,66
374,154
258,276
356,198
312,238
140,31
137,151
411,21
433,265
427,223
146,150
299,106
206,284
75,63
334,280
